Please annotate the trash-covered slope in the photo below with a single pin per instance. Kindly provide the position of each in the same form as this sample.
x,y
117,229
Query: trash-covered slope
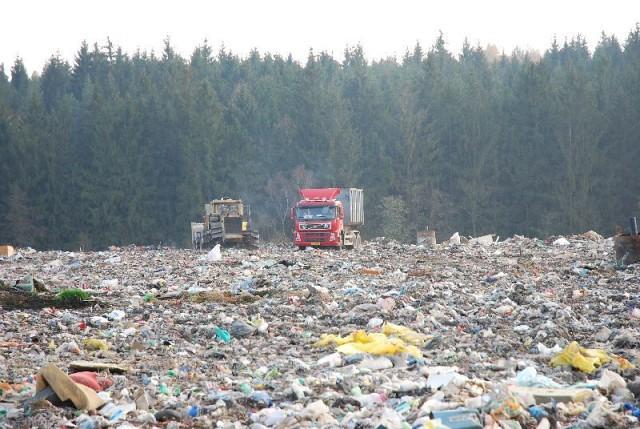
x,y
388,336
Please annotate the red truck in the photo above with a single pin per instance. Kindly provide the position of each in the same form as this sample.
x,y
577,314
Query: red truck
x,y
328,217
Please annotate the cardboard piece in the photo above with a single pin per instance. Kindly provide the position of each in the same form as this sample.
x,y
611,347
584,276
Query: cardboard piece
x,y
7,250
142,399
84,365
82,397
544,395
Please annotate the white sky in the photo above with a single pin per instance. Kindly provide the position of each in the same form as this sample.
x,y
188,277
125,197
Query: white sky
x,y
36,29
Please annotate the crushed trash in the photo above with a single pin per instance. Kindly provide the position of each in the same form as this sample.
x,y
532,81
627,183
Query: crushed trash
x,y
470,333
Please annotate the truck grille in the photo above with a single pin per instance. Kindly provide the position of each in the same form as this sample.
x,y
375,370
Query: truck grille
x,y
314,226
315,236
232,225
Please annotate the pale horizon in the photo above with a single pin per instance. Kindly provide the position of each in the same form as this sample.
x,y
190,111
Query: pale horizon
x,y
291,27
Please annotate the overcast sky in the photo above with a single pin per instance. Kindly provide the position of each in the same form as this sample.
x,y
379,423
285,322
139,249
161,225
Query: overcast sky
x,y
37,29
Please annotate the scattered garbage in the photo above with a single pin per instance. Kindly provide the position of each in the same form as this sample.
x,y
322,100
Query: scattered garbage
x,y
65,388
480,332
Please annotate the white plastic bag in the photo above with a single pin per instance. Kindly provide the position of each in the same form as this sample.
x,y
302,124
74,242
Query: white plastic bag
x,y
214,254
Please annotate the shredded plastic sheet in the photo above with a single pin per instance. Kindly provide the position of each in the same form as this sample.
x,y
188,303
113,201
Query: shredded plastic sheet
x,y
393,340
585,360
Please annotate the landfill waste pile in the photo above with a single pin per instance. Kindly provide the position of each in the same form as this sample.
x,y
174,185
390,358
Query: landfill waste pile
x,y
482,333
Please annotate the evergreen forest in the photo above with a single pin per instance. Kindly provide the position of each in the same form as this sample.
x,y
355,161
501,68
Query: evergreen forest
x,y
119,148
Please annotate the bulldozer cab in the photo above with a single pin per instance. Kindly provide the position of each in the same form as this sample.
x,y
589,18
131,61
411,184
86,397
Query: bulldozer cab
x,y
226,207
229,212
226,221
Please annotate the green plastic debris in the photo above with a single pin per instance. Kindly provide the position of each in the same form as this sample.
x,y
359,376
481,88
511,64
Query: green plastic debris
x,y
223,335
246,389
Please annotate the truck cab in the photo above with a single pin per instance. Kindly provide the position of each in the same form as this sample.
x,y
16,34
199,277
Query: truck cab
x,y
321,220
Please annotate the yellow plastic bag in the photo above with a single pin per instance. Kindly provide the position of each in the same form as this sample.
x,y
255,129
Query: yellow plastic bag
x,y
328,339
385,347
406,334
95,344
585,360
374,343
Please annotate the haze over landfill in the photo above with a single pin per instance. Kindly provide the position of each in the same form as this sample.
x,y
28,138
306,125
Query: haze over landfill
x,y
323,215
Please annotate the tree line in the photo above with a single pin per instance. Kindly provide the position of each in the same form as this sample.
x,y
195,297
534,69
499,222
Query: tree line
x,y
121,148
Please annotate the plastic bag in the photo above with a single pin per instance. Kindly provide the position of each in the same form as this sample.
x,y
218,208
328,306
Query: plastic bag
x,y
95,344
585,360
610,381
214,254
406,334
374,343
529,377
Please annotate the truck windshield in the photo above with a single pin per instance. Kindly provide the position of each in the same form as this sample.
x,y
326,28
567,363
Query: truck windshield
x,y
319,212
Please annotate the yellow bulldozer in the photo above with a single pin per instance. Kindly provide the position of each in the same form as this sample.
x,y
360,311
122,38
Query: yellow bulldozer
x,y
226,222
